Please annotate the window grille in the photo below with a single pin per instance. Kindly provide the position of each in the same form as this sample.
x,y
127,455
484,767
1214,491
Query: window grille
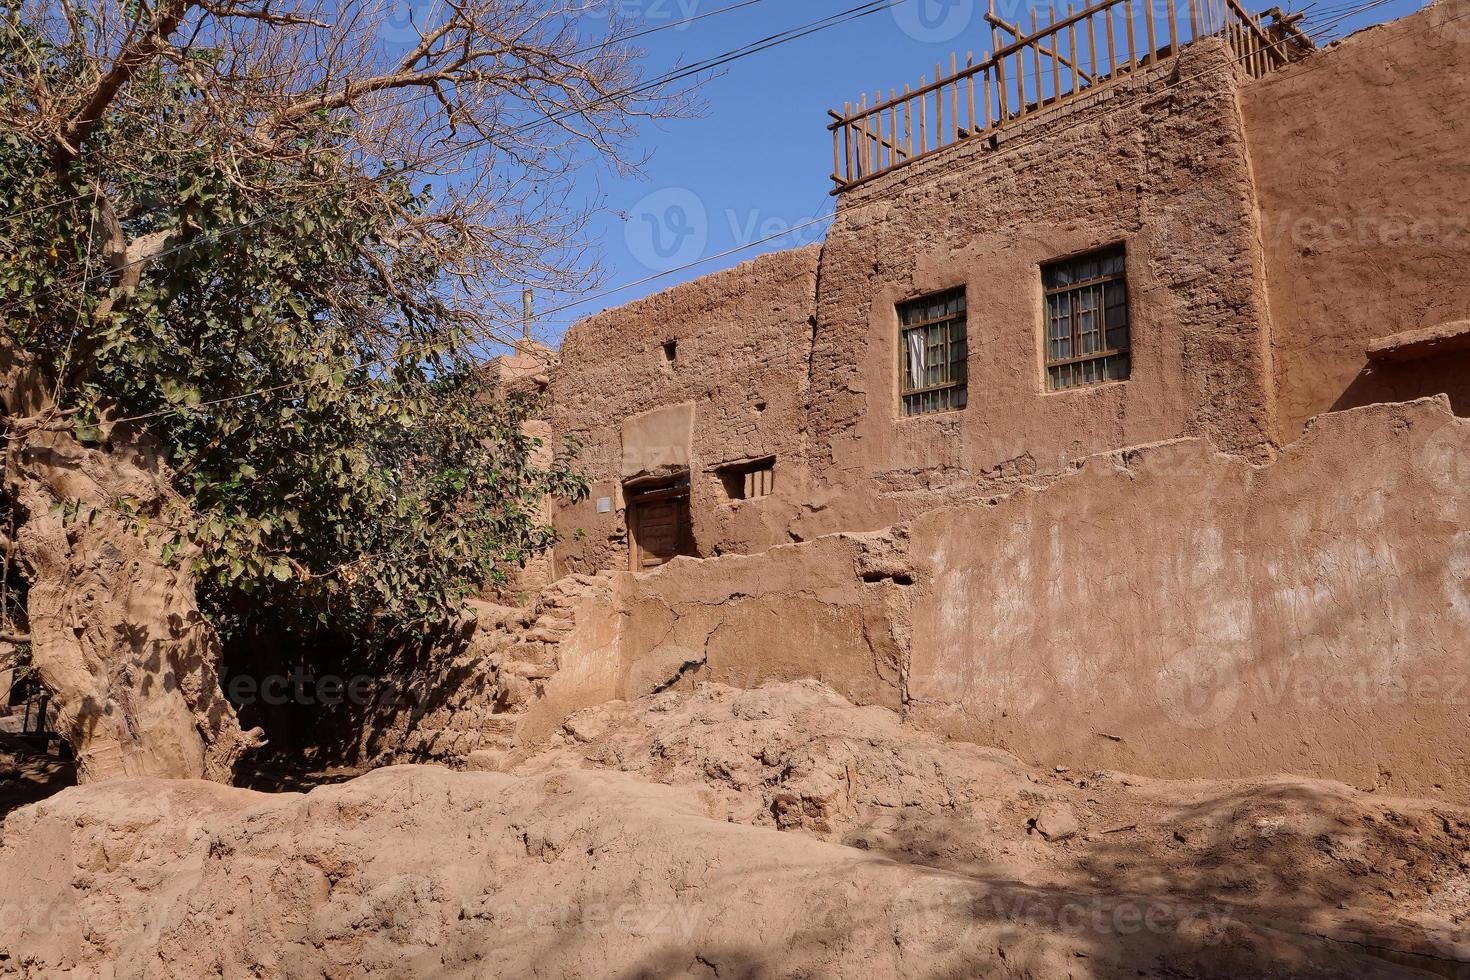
x,y
1086,320
933,353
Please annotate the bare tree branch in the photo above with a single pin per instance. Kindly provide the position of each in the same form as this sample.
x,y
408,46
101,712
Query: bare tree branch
x,y
141,52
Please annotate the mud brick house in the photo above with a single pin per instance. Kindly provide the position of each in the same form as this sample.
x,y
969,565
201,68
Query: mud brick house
x,y
1119,421
1222,240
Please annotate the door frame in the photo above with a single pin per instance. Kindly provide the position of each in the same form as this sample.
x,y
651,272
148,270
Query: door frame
x,y
635,497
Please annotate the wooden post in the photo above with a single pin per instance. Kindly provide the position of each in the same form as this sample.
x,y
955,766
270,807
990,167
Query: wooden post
x,y
1132,53
908,121
1092,48
847,138
954,96
1112,46
878,126
923,117
893,124
1194,34
1173,28
970,77
877,118
989,119
837,153
1056,48
1000,69
938,107
1071,49
1021,79
1036,60
1148,22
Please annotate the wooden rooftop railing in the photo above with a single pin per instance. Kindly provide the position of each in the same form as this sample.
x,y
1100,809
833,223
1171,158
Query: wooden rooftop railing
x,y
1055,58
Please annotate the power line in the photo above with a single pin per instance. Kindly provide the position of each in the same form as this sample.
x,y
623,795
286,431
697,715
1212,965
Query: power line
x,y
1047,134
1112,106
1015,143
601,45
677,74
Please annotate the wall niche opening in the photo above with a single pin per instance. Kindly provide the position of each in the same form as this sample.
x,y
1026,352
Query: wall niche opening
x,y
749,479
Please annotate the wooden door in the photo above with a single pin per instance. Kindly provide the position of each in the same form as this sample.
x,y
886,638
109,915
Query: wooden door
x,y
660,526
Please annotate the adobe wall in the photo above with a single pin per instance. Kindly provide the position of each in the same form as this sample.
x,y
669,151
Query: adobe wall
x,y
1159,163
735,391
1178,611
1362,162
827,609
1168,610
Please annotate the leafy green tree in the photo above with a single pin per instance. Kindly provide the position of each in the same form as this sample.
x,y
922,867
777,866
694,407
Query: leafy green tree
x,y
251,260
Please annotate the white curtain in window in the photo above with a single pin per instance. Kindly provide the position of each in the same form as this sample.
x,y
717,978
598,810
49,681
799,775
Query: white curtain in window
x,y
917,371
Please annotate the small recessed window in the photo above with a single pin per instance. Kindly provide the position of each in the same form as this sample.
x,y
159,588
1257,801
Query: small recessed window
x,y
671,352
746,481
933,352
1086,320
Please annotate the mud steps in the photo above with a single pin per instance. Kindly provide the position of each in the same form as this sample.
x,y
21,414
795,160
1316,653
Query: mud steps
x,y
524,646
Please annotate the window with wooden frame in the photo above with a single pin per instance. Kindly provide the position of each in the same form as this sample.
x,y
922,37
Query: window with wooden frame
x,y
1086,320
749,480
933,351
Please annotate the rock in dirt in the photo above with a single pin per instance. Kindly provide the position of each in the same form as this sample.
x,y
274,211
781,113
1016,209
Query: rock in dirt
x,y
1056,823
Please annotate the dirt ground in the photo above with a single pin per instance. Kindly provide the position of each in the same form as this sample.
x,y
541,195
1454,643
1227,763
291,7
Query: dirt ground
x,y
724,833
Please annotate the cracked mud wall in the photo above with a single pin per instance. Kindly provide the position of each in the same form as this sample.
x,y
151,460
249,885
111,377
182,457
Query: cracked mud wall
x,y
1169,610
834,609
740,344
795,354
1205,176
1182,612
1362,165
1157,163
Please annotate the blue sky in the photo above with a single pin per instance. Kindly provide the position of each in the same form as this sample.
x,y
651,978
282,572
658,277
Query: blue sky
x,y
757,162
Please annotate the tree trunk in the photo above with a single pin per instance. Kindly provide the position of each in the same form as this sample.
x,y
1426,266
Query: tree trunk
x,y
116,634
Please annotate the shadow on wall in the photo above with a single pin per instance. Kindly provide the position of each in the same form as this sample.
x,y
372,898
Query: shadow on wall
x,y
1402,381
329,702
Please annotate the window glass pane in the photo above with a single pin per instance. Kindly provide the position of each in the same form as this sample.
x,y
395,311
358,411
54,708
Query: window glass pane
x,y
1085,317
1089,331
932,353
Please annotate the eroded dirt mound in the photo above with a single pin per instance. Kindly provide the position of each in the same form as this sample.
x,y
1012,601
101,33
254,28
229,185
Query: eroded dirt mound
x,y
779,832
